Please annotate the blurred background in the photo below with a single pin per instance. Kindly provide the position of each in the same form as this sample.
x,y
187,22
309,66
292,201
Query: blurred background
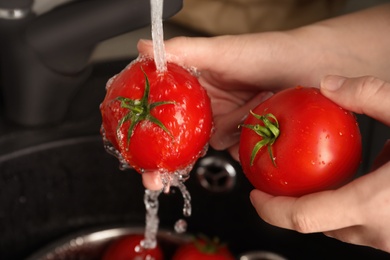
x,y
196,19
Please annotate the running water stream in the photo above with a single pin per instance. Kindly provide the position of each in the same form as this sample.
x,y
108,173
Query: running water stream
x,y
158,34
169,180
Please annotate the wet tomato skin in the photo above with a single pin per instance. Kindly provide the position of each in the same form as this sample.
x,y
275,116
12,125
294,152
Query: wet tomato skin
x,y
319,146
201,250
186,115
128,248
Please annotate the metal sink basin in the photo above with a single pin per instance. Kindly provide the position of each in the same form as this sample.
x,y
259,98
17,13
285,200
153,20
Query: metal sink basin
x,y
59,180
91,244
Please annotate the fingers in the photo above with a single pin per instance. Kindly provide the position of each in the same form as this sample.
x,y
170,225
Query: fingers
x,y
357,235
152,180
353,235
226,125
228,59
145,47
362,235
365,95
317,212
187,52
356,213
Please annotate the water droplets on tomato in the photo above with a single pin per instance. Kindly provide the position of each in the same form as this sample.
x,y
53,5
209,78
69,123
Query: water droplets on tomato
x,y
123,165
188,85
169,180
179,117
109,82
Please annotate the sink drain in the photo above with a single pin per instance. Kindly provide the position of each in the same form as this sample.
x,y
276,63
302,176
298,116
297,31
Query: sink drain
x,y
216,174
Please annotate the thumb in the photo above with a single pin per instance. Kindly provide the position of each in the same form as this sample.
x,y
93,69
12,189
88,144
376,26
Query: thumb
x,y
185,51
364,95
145,47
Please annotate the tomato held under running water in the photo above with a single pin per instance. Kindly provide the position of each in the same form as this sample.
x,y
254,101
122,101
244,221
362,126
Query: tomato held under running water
x,y
156,120
298,142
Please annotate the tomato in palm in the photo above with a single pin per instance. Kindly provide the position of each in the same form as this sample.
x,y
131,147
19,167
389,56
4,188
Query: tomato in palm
x,y
203,249
129,248
156,120
298,142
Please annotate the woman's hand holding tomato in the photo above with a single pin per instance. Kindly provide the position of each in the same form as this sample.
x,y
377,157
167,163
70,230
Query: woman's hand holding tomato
x,y
358,212
299,142
157,121
228,79
360,209
238,73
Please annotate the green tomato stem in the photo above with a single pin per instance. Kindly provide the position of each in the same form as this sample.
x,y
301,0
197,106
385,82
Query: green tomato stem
x,y
268,131
139,110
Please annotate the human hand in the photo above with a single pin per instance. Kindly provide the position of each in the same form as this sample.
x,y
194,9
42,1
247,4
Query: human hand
x,y
241,71
230,80
230,85
358,212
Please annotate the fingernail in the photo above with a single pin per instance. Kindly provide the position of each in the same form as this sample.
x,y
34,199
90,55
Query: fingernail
x,y
145,42
332,82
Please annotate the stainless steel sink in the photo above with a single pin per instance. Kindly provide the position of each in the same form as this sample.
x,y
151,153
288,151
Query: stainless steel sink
x,y
90,244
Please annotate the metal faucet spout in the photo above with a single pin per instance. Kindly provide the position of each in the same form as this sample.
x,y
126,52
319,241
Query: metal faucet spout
x,y
45,58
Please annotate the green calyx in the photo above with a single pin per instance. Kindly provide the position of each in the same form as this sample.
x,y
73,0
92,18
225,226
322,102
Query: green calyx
x,y
207,245
269,132
139,110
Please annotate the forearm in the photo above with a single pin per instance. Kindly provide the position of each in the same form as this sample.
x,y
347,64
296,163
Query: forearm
x,y
351,45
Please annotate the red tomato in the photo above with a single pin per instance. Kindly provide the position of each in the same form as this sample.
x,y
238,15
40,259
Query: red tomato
x,y
202,249
156,120
319,144
128,248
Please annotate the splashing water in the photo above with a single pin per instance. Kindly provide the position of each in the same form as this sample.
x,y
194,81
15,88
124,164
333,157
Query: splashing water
x,y
152,220
169,180
180,226
110,149
177,179
151,204
158,35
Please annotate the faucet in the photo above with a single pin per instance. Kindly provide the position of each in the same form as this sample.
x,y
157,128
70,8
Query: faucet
x,y
45,58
